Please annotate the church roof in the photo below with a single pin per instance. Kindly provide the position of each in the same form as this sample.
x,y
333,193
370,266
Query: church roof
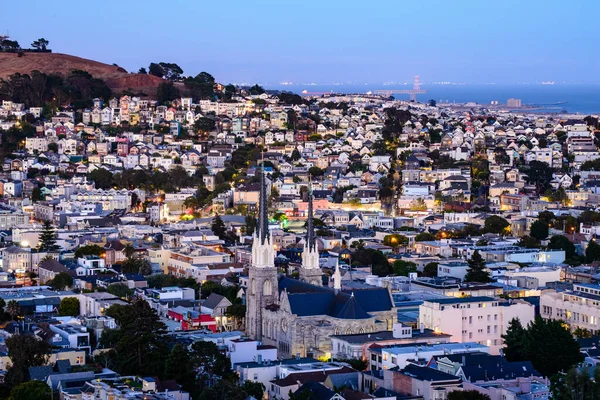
x,y
348,308
306,300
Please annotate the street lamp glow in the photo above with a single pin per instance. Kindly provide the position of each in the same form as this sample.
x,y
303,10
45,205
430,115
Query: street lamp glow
x,y
24,243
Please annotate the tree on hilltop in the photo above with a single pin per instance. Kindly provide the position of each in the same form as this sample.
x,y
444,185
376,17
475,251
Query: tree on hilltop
x,y
40,44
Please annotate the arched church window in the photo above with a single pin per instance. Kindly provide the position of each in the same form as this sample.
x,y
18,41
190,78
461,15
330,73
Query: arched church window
x,y
267,288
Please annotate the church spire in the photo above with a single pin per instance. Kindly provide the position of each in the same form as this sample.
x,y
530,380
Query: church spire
x,y
310,270
310,230
263,222
337,278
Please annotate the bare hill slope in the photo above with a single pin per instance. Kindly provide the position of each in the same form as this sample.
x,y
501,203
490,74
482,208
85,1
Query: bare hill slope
x,y
115,77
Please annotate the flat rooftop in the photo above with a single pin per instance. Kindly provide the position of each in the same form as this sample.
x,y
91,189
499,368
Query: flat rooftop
x,y
362,338
460,300
453,347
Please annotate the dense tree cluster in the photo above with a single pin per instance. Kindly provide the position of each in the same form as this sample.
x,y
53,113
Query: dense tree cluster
x,y
24,351
167,92
373,258
538,343
576,384
140,345
69,307
78,89
153,180
170,71
200,87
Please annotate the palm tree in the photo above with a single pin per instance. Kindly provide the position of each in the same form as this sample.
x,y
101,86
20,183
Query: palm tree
x,y
128,250
13,309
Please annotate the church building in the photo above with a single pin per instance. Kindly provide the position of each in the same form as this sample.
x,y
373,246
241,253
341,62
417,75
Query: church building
x,y
299,316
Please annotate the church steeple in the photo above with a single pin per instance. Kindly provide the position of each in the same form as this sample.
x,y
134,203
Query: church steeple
x,y
263,254
337,278
310,229
310,271
262,229
262,274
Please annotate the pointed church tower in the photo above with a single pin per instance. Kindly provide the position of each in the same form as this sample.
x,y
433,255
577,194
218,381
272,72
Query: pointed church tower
x,y
337,278
262,273
310,271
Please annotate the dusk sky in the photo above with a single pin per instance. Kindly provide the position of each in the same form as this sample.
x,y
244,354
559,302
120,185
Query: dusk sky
x,y
325,41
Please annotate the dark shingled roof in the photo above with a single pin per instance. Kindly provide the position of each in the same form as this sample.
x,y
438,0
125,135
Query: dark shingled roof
x,y
212,301
476,358
114,245
427,374
316,376
498,370
40,373
63,366
53,266
316,391
306,299
348,308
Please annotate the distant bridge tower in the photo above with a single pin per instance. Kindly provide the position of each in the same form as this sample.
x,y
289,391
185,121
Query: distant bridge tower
x,y
411,92
417,83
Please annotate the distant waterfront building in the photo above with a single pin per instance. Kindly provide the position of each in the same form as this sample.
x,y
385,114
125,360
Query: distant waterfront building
x,y
515,103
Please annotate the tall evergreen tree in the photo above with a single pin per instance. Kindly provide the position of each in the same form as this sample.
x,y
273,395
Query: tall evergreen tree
x,y
550,346
141,346
178,366
592,252
477,271
514,341
218,227
48,238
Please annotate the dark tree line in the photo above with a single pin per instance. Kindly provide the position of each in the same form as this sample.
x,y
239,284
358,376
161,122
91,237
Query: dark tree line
x,y
78,89
169,181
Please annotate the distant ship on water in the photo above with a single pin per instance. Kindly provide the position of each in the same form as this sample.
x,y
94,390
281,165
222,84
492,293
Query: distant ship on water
x,y
548,83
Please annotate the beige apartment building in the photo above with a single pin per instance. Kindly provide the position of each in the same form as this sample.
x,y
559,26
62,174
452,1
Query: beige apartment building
x,y
579,308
